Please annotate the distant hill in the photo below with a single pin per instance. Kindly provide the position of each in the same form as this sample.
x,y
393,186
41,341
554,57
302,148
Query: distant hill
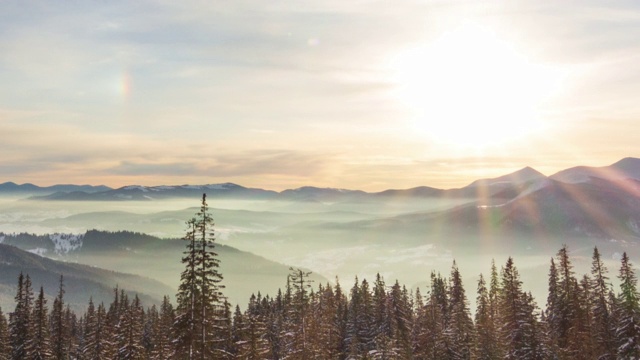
x,y
485,190
627,168
145,193
11,188
550,212
80,281
160,259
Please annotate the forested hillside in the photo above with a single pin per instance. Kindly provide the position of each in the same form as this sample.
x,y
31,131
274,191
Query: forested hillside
x,y
583,318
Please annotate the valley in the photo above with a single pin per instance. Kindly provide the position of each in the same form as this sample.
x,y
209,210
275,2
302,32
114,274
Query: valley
x,y
403,234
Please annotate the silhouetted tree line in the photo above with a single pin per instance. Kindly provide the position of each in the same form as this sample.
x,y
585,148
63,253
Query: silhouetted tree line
x,y
583,318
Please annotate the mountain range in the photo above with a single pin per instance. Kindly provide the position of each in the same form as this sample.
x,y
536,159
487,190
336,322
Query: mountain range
x,y
334,231
506,186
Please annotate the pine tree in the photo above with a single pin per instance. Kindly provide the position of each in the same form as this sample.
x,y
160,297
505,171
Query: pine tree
x,y
628,331
201,323
40,345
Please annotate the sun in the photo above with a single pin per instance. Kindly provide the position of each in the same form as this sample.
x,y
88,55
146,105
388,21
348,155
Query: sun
x,y
472,89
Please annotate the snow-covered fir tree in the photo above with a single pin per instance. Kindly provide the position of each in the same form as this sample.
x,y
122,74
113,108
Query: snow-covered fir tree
x,y
600,307
628,329
201,321
5,345
39,346
20,320
60,331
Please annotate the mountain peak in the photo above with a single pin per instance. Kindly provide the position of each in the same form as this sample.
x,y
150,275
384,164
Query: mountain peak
x,y
523,175
627,164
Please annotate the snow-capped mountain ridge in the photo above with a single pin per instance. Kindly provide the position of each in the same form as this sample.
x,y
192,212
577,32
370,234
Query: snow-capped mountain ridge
x,y
508,185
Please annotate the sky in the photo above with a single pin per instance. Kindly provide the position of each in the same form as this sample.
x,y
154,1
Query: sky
x,y
355,94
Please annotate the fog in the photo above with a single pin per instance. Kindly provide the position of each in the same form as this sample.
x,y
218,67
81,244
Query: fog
x,y
334,240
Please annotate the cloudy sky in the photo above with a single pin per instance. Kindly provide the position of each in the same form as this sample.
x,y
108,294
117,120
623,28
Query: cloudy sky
x,y
280,94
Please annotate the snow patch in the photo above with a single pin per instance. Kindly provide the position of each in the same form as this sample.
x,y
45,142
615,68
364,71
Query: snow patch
x,y
225,186
38,251
65,243
2,239
136,187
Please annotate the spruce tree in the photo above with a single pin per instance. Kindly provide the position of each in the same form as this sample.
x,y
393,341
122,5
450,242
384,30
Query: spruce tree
x,y
130,331
151,330
327,330
566,303
5,344
97,344
299,315
59,327
40,345
600,307
201,322
359,340
429,327
381,321
21,319
187,308
163,344
486,342
513,330
628,330
581,339
459,327
400,318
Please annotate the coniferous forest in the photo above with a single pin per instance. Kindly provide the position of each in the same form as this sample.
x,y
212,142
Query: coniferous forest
x,y
583,317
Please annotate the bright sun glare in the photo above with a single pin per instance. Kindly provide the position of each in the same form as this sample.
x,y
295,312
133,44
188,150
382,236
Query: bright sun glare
x,y
471,89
